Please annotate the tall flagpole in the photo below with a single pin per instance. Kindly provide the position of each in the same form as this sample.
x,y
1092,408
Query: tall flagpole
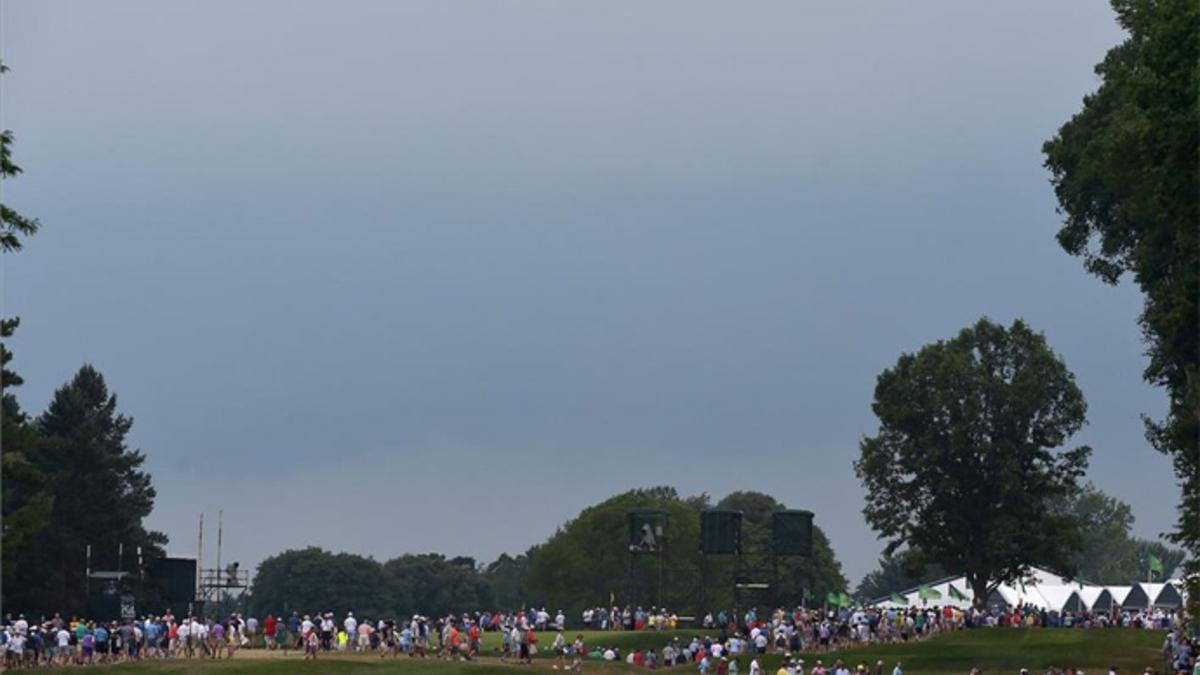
x,y
199,556
220,526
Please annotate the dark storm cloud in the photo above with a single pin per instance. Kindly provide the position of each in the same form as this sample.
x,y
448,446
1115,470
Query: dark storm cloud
x,y
397,255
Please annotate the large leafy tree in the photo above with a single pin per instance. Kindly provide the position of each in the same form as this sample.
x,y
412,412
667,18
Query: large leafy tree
x,y
26,501
970,455
1126,171
312,580
587,561
435,585
101,496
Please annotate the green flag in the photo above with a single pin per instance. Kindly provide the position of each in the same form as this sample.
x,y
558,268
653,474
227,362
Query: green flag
x,y
899,599
832,598
956,594
844,600
1155,564
927,593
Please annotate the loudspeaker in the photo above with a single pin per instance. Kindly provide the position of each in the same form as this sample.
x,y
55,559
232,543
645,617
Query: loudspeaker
x,y
721,532
792,533
177,579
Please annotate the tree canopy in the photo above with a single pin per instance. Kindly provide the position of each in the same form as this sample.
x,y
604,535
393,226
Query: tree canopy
x,y
314,580
969,455
587,561
26,502
100,497
1109,553
1126,171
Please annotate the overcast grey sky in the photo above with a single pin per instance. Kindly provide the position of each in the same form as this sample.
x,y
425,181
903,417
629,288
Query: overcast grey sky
x,y
494,262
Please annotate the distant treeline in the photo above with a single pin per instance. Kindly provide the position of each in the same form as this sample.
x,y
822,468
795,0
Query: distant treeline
x,y
585,563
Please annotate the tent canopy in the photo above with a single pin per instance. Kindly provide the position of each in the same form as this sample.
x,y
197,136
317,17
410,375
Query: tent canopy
x,y
1045,590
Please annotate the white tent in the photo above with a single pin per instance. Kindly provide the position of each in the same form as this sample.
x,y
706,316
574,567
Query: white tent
x,y
1090,594
1153,591
1145,595
1008,595
1059,598
1046,590
1165,595
1041,577
1118,594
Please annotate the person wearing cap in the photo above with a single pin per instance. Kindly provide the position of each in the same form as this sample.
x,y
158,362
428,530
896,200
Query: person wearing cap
x,y
351,626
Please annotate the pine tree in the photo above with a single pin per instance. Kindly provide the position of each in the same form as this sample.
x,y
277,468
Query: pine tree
x,y
101,496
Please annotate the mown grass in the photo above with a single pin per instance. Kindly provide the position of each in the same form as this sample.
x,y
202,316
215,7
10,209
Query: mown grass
x,y
993,651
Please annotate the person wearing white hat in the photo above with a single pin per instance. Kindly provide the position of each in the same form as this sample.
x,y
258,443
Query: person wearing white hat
x,y
351,626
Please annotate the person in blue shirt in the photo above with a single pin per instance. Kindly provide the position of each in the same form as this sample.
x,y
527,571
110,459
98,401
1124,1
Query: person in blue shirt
x,y
100,633
152,632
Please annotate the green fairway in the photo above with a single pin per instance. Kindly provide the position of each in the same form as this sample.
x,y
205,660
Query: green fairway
x,y
993,651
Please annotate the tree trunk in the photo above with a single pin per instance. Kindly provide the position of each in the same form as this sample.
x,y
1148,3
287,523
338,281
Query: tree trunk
x,y
979,588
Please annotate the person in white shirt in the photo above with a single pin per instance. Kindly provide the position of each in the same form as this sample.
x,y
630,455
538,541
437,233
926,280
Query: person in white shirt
x,y
62,641
760,643
183,637
16,650
351,626
327,631
200,636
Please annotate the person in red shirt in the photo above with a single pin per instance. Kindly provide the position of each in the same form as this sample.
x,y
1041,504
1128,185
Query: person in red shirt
x,y
531,640
639,659
474,636
270,626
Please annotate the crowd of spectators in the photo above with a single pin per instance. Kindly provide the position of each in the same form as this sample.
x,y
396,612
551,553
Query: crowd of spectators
x,y
723,643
